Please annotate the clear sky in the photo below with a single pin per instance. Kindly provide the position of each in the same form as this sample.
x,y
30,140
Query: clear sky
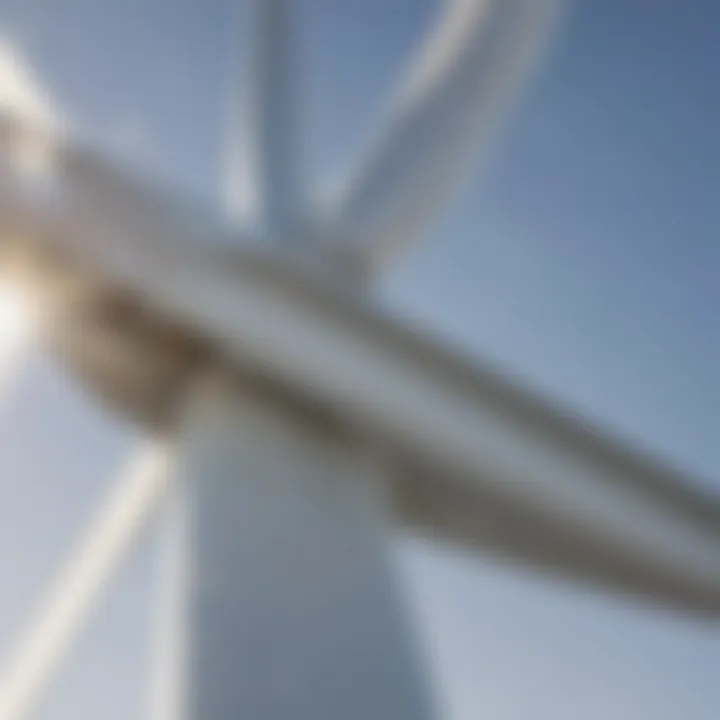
x,y
584,259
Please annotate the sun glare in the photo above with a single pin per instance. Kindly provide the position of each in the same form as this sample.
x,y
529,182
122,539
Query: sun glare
x,y
18,324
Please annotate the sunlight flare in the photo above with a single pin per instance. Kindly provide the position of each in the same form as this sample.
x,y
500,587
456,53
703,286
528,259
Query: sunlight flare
x,y
18,327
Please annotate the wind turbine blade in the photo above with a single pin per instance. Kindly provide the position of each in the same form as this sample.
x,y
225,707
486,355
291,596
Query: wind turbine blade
x,y
473,433
21,96
463,82
274,109
80,583
20,92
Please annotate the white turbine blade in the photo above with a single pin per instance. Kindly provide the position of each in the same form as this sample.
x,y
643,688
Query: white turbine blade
x,y
468,429
80,583
20,93
274,108
467,74
20,96
23,99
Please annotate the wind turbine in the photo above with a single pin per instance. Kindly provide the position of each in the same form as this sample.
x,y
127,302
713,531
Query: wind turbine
x,y
305,423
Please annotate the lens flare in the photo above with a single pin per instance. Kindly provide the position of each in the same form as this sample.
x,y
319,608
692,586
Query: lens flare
x,y
18,325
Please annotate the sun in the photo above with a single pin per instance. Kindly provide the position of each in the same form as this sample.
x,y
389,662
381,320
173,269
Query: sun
x,y
18,323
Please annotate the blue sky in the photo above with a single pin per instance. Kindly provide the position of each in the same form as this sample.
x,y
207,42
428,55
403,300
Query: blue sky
x,y
583,260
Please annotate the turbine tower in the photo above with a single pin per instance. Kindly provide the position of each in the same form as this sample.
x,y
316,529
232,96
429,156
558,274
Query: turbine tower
x,y
300,424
